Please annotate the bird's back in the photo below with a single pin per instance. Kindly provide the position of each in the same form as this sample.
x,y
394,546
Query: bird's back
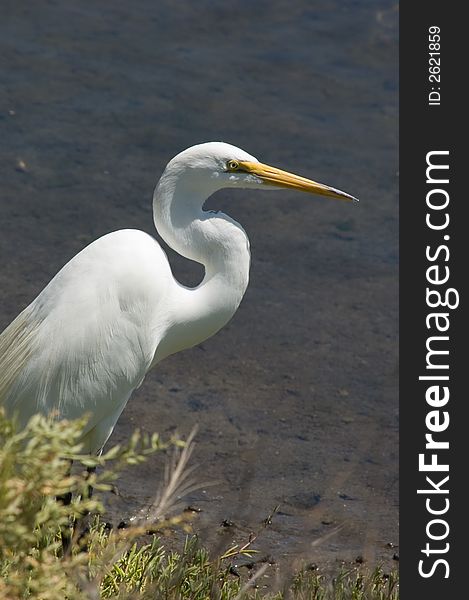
x,y
89,337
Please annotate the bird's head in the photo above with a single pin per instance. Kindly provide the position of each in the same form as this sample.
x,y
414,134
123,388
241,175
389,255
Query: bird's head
x,y
225,165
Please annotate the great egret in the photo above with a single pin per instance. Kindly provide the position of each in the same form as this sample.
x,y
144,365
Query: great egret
x,y
115,310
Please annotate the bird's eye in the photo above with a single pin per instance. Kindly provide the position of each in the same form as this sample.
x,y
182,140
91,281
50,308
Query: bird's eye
x,y
232,165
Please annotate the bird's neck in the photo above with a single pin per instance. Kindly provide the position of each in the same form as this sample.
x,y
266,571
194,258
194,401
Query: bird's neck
x,y
217,242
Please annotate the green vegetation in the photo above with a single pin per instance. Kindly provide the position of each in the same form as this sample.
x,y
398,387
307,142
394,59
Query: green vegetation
x,y
123,563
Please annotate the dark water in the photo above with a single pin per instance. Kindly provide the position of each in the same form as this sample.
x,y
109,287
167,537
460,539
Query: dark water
x,y
296,398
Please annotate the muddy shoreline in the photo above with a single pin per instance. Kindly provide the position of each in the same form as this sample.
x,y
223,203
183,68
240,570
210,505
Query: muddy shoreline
x,y
296,399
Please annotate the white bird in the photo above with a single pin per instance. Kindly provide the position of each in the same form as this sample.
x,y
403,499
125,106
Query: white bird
x,y
115,310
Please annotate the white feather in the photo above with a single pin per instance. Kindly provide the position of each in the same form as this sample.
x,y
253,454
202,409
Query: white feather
x,y
115,310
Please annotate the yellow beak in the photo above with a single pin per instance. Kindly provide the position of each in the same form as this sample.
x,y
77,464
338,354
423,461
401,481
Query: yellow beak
x,y
277,177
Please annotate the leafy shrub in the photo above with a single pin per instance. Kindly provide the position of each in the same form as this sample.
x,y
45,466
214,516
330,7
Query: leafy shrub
x,y
121,563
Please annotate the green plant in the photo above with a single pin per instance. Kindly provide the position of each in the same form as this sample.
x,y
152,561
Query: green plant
x,y
130,563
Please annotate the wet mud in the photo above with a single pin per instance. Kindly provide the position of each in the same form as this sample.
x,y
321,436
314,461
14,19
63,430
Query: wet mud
x,y
296,399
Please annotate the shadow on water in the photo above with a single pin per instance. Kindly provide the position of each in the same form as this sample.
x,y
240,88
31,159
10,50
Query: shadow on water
x,y
296,399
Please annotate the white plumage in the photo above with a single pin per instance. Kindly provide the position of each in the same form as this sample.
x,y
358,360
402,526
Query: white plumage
x,y
115,310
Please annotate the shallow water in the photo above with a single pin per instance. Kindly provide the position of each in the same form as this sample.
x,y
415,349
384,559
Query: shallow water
x,y
296,399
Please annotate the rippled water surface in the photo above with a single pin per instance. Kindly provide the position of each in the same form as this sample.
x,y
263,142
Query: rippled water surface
x,y
296,398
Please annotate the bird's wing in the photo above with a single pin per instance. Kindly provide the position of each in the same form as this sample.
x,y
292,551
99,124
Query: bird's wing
x,y
15,349
89,338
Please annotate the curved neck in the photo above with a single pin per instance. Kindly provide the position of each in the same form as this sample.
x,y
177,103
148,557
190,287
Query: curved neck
x,y
216,241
